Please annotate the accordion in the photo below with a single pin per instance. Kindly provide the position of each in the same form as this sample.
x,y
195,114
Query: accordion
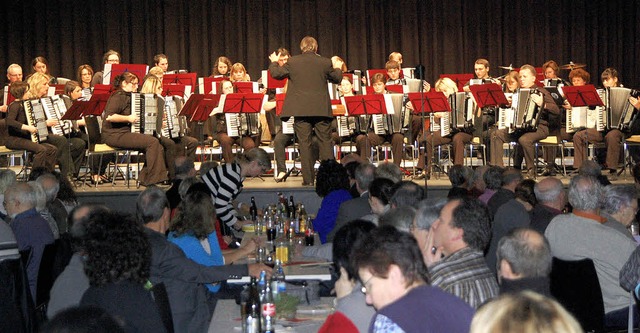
x,y
172,125
54,109
35,117
243,124
145,109
396,119
506,116
526,110
620,113
578,118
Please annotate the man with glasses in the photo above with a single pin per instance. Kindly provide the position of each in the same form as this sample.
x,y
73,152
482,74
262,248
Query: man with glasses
x,y
394,280
457,240
110,57
14,74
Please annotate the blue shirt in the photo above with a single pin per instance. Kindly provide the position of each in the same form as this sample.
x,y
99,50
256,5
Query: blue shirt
x,y
192,248
325,221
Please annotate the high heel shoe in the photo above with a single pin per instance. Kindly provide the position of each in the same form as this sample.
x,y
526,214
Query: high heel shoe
x,y
281,177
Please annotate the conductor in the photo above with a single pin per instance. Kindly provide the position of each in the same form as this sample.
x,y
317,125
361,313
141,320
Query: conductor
x,y
308,100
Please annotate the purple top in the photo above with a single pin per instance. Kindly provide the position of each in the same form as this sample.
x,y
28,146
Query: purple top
x,y
326,218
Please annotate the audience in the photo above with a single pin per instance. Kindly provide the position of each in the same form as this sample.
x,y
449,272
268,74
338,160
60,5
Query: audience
x,y
117,265
512,214
427,213
380,193
406,193
352,312
593,169
552,200
84,319
581,234
184,168
460,235
357,207
389,171
395,281
524,262
510,179
525,312
32,231
458,176
399,218
332,185
7,179
619,207
55,207
492,181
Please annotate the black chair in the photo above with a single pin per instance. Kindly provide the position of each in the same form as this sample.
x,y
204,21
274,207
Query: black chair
x,y
575,285
16,308
159,292
45,280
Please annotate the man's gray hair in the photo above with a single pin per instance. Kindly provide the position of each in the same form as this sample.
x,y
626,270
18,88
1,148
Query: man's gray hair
x,y
399,218
7,179
590,168
50,185
617,197
428,211
365,173
585,193
151,204
40,195
389,171
183,166
22,192
527,252
548,193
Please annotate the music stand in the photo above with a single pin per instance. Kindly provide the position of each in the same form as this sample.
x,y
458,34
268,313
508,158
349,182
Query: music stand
x,y
188,79
395,88
181,90
579,96
428,103
241,104
271,83
459,79
365,105
100,89
59,88
197,109
206,84
245,87
372,72
112,70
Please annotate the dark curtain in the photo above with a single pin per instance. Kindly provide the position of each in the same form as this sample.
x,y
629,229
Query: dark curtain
x,y
444,36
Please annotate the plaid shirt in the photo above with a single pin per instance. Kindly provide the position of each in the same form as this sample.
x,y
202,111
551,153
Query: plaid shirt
x,y
466,275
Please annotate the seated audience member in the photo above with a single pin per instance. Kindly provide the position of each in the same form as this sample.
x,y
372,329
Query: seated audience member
x,y
118,259
353,314
395,281
71,284
510,179
406,193
552,200
41,208
83,319
513,214
525,312
478,186
427,212
388,170
458,178
183,278
184,168
31,230
581,235
332,185
351,171
51,187
524,262
66,194
357,207
492,181
7,179
380,193
399,218
593,169
619,207
460,235
193,230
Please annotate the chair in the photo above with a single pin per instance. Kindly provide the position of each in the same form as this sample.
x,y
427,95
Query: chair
x,y
45,280
479,147
159,292
575,285
98,149
548,142
632,141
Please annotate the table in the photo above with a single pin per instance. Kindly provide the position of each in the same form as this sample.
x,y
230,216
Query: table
x,y
226,317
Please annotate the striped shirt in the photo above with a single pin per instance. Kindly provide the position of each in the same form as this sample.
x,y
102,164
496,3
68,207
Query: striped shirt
x,y
225,183
466,275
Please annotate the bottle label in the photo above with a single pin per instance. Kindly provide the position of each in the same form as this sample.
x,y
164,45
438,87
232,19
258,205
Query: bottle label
x,y
269,309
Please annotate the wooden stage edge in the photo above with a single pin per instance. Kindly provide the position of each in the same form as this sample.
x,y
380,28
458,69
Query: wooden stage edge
x,y
263,189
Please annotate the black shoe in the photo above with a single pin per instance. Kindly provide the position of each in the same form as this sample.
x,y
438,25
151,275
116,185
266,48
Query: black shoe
x,y
282,176
422,175
549,172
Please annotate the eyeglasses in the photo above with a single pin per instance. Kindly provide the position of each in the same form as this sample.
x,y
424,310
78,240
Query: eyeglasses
x,y
364,285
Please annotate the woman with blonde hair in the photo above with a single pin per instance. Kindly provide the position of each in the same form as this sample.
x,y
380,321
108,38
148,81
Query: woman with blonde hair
x,y
524,312
239,73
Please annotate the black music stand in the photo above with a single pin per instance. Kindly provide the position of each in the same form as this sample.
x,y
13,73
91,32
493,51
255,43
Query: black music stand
x,y
579,96
428,103
365,105
197,109
243,104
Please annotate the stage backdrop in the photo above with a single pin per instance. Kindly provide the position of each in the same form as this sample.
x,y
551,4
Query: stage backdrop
x,y
445,36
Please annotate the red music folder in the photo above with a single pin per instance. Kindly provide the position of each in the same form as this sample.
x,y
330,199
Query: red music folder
x,y
489,94
365,104
76,110
395,88
112,70
181,90
271,83
279,103
103,89
59,88
372,72
582,96
245,87
199,106
96,105
206,85
428,102
243,103
459,79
